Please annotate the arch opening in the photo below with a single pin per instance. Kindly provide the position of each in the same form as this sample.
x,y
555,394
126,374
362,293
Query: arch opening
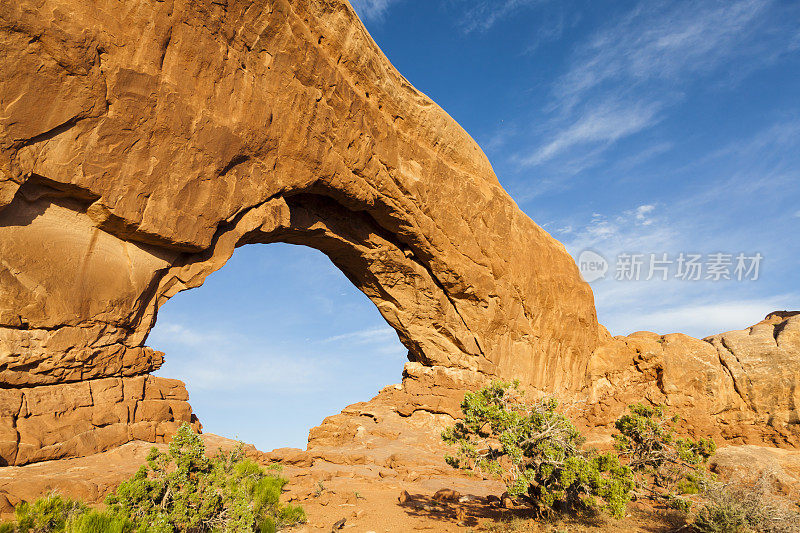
x,y
273,343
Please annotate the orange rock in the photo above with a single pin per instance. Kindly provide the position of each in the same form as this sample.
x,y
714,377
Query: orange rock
x,y
140,147
446,495
138,174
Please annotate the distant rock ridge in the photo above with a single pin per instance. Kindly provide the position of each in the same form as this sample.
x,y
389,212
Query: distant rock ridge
x,y
139,147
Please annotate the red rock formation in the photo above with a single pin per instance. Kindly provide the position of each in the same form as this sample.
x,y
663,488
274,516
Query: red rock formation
x,y
141,143
75,419
739,386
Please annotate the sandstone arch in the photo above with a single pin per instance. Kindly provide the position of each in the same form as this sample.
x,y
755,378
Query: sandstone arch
x,y
142,143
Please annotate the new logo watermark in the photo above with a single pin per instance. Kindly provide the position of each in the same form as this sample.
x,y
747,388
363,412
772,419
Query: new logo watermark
x,y
718,266
592,265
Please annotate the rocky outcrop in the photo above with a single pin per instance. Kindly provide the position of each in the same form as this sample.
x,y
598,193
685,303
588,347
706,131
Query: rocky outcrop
x,y
739,386
75,419
140,146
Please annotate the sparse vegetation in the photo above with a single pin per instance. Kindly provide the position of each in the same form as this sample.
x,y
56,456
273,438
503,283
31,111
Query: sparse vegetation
x,y
669,467
176,491
673,470
537,452
739,508
49,513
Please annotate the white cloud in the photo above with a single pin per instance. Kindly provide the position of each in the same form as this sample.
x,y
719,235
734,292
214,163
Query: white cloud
x,y
605,125
632,230
180,334
642,214
797,214
697,308
213,360
484,14
624,78
771,142
371,9
365,336
223,371
228,360
698,319
662,41
643,156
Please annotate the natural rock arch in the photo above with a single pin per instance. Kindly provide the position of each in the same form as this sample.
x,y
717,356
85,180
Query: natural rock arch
x,y
141,145
288,102
141,142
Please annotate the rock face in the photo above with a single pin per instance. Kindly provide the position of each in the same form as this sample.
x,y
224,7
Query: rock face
x,y
142,143
739,386
70,420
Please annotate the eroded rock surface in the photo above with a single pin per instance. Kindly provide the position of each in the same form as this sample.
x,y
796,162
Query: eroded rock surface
x,y
75,419
740,386
141,143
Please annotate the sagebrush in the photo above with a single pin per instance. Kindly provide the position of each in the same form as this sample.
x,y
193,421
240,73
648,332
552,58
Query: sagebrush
x,y
736,507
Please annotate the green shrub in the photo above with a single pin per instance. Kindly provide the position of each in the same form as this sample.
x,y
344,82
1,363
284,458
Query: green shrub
x,y
176,491
537,452
99,522
672,466
49,513
739,508
182,489
722,518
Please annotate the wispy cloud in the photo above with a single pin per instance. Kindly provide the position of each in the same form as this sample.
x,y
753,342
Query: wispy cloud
x,y
365,336
551,30
642,214
770,143
186,336
371,10
639,229
699,318
689,225
644,156
485,13
663,42
224,372
603,125
228,361
629,75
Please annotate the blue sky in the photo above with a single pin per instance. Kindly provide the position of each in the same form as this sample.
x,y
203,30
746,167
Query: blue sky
x,y
620,127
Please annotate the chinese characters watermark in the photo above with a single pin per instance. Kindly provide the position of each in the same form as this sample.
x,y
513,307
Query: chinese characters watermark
x,y
717,266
